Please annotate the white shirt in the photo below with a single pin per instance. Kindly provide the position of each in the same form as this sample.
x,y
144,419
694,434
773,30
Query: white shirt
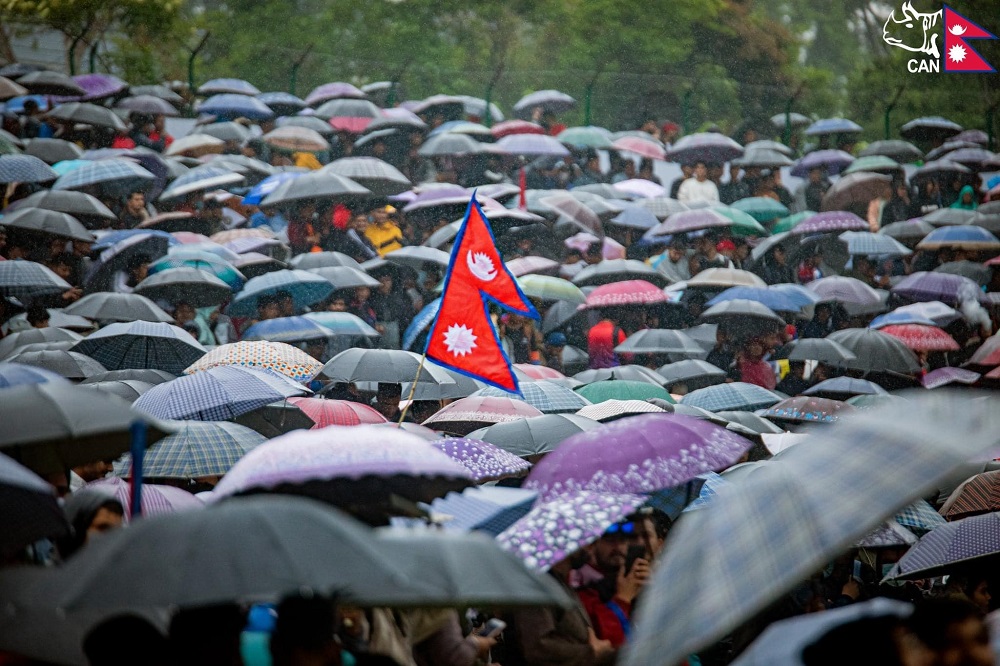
x,y
694,190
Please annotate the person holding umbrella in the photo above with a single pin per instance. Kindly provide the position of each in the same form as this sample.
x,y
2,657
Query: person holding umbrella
x,y
816,187
698,188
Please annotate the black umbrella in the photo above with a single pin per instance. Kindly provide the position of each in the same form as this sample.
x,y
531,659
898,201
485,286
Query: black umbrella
x,y
929,128
536,435
149,105
194,286
85,113
51,151
53,427
111,306
49,222
29,508
618,270
153,377
275,419
693,373
901,151
317,186
635,373
51,83
823,350
73,203
875,351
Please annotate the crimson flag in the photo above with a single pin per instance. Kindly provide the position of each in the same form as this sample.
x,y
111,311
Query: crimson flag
x,y
958,55
462,336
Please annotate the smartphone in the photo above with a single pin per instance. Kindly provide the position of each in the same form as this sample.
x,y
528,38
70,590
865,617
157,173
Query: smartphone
x,y
493,628
631,555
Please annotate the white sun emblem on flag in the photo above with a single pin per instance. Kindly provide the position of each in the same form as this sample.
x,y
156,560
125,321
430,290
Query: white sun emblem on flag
x,y
957,53
459,339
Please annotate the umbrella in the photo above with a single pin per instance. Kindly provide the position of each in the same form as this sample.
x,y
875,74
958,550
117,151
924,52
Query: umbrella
x,y
18,374
844,388
202,260
920,337
636,373
576,212
842,289
195,449
661,207
876,163
200,179
14,341
262,189
616,270
552,101
949,546
830,161
947,288
950,216
752,422
31,510
221,86
545,396
450,145
797,514
762,209
10,89
110,306
148,105
900,151
55,426
194,286
598,392
287,329
929,128
807,409
294,138
114,175
70,365
534,435
777,299
612,410
380,177
635,217
217,394
489,509
534,145
51,151
706,147
977,494
948,375
196,145
390,366
743,318
661,341
867,243
555,529
311,260
855,189
337,412
276,357
936,168
230,105
548,288
962,237
304,288
830,221
650,147
341,466
586,137
513,127
142,345
342,324
626,293
977,159
833,126
974,271
908,230
415,256
693,373
25,169
527,265
875,351
84,113
336,90
735,396
725,277
483,460
153,377
73,203
126,389
318,186
50,83
688,220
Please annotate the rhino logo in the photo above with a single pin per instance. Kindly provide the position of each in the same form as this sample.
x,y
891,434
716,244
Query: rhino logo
x,y
914,31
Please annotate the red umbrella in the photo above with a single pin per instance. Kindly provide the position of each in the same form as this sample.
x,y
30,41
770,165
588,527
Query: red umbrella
x,y
920,337
629,292
645,147
508,127
337,412
463,416
539,371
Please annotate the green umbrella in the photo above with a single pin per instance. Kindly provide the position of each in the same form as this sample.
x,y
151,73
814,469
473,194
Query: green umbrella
x,y
744,224
548,288
586,137
790,222
762,209
623,390
876,163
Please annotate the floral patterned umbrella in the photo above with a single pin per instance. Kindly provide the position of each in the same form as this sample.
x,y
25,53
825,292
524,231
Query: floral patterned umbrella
x,y
948,375
467,414
629,292
337,412
921,337
642,454
555,529
485,461
807,409
262,355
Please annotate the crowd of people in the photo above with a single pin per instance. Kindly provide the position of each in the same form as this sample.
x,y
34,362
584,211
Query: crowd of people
x,y
382,246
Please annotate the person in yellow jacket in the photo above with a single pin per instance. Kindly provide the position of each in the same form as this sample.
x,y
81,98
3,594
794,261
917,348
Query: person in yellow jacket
x,y
383,232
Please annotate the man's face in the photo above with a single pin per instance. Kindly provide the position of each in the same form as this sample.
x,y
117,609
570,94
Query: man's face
x,y
268,311
380,216
675,254
136,202
700,172
609,553
104,521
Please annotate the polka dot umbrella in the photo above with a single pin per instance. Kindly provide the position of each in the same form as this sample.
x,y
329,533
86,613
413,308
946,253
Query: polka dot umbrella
x,y
261,355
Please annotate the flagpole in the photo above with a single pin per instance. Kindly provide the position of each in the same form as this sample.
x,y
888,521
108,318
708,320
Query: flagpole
x,y
413,390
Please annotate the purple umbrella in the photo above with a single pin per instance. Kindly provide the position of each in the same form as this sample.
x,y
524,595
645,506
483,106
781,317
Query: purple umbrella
x,y
336,90
830,221
833,161
944,287
440,196
708,147
948,375
948,545
485,461
157,500
688,220
346,466
557,528
641,454
529,144
96,86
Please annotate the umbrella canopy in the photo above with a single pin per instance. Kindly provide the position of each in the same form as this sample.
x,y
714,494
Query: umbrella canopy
x,y
31,510
945,287
195,449
867,243
489,509
230,105
153,377
19,374
83,113
961,237
830,221
342,324
857,188
25,169
875,351
919,337
950,545
13,342
763,158
806,409
126,389
725,277
450,145
276,357
337,412
708,147
217,394
549,288
10,89
833,126
303,287
688,220
380,177
795,515
346,467
142,345
148,105
586,137
929,127
317,186
876,163
467,414
201,178
612,410
626,293
70,365
534,435
51,151
635,217
578,213
636,373
780,298
534,145
977,494
222,86
294,138
186,284
55,426
617,270
287,329
661,341
844,388
114,175
545,396
43,82
390,366
900,151
843,289
948,375
693,373
829,161
196,145
311,260
555,529
735,396
77,204
943,217
483,460
553,101
599,392
112,306
335,90
982,274
762,209
415,256
908,231
743,317
650,147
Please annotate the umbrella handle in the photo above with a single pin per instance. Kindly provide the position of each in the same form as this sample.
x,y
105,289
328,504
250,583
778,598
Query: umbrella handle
x,y
138,450
413,390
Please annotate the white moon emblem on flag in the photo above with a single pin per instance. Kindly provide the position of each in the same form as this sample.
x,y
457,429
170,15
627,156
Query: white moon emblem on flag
x,y
481,266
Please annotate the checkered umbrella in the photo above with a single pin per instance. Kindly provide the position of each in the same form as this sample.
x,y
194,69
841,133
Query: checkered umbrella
x,y
547,397
867,243
943,548
31,510
195,449
735,396
489,509
143,345
157,500
261,354
25,280
24,169
773,528
217,394
114,175
920,517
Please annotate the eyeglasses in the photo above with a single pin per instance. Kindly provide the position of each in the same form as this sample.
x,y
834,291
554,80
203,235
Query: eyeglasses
x,y
621,528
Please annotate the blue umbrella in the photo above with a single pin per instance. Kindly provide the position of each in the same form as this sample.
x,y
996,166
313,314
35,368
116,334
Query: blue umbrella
x,y
142,345
206,261
833,126
421,322
799,294
287,329
489,509
635,217
114,237
260,191
222,86
229,105
217,394
16,104
24,169
736,396
961,236
344,324
17,374
901,317
304,287
117,174
773,299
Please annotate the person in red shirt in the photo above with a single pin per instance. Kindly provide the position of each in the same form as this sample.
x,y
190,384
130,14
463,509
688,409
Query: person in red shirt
x,y
751,366
601,342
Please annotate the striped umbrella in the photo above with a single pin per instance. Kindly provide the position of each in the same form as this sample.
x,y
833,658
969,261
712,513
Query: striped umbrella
x,y
546,396
157,500
919,337
276,357
337,412
977,494
142,345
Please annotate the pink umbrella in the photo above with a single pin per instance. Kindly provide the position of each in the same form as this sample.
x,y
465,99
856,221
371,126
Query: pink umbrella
x,y
188,237
350,124
629,292
156,499
539,371
463,416
919,337
526,265
508,127
641,187
337,412
646,147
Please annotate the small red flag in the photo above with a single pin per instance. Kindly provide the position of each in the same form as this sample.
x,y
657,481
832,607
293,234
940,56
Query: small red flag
x,y
463,337
958,55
